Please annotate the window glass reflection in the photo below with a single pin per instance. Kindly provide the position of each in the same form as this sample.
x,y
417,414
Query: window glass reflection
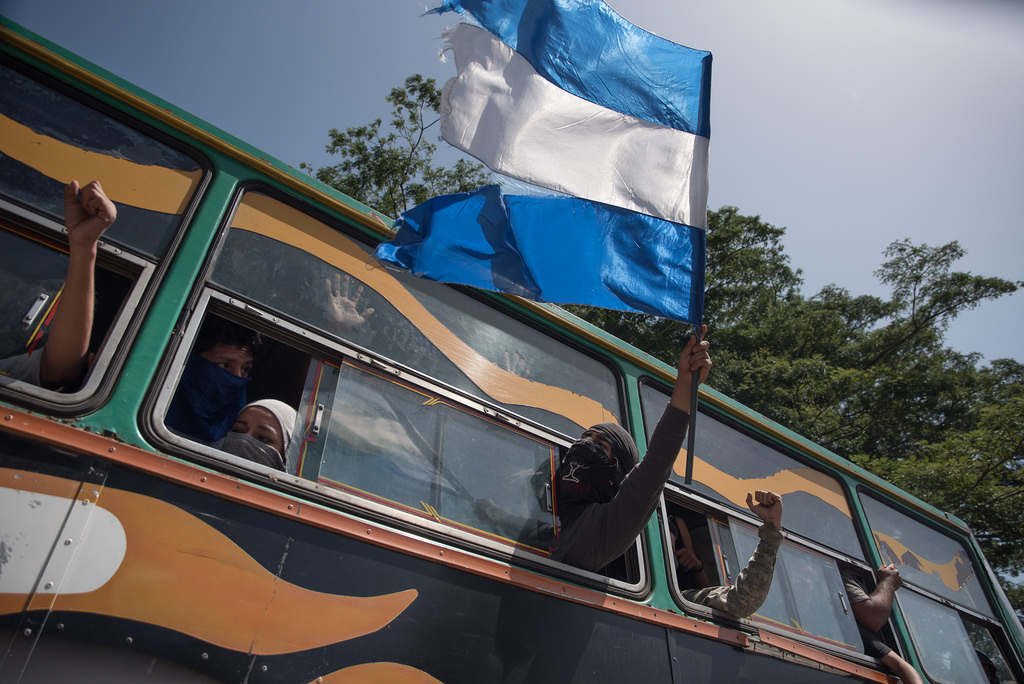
x,y
941,640
48,138
729,463
413,450
807,595
287,260
925,556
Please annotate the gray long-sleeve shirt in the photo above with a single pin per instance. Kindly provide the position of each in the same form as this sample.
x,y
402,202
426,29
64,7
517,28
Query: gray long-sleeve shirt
x,y
605,531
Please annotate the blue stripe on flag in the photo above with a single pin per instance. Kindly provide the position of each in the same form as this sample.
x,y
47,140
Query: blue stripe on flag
x,y
589,253
587,49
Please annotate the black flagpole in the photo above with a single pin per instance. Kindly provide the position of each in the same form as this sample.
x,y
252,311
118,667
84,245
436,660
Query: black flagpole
x,y
693,420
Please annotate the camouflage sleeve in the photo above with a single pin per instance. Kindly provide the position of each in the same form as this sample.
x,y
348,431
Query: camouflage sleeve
x,y
744,597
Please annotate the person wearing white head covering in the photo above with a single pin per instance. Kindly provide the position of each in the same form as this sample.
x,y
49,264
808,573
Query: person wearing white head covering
x,y
262,433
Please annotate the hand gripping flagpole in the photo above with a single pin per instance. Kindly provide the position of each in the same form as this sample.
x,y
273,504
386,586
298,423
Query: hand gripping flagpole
x,y
693,420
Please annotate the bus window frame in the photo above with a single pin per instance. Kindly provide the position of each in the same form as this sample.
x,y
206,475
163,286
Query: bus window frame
x,y
494,301
130,117
718,514
112,348
212,300
234,306
147,272
955,536
991,589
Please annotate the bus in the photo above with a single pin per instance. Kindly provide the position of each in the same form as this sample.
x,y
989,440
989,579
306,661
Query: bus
x,y
410,535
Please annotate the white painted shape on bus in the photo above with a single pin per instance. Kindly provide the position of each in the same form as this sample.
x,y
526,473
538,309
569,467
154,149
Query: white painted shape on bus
x,y
88,544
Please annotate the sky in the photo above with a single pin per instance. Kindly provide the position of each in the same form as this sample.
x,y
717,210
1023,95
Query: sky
x,y
851,123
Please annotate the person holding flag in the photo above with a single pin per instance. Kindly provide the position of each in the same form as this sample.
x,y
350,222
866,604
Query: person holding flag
x,y
605,497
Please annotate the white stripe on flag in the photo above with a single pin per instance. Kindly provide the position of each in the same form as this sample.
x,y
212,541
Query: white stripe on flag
x,y
499,110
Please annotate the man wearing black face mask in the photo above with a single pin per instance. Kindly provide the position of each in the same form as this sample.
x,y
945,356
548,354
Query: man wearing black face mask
x,y
604,498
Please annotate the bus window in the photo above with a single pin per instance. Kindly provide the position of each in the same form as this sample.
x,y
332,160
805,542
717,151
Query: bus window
x,y
992,661
807,598
943,600
32,271
228,366
730,463
925,556
31,276
689,529
286,260
943,642
417,451
48,139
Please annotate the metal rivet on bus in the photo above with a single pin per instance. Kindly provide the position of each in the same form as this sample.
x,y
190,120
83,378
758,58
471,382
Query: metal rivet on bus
x,y
28,631
319,680
9,416
290,507
60,626
205,656
49,585
67,542
128,641
263,668
202,479
440,553
112,449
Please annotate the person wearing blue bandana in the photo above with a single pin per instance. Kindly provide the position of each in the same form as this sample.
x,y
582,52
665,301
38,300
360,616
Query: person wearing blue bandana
x,y
212,389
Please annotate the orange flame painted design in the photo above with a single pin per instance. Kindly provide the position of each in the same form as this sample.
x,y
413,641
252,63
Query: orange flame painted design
x,y
181,574
807,480
954,573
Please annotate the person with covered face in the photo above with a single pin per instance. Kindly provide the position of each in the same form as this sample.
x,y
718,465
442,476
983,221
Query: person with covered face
x,y
605,497
262,433
212,389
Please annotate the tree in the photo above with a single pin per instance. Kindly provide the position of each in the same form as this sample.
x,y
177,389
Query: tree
x,y
392,169
978,474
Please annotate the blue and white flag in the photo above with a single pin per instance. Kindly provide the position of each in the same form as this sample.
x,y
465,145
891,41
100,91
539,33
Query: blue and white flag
x,y
554,249
567,95
501,111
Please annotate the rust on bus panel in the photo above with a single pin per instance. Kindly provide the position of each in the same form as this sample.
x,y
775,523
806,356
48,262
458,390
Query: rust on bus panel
x,y
264,215
152,553
139,185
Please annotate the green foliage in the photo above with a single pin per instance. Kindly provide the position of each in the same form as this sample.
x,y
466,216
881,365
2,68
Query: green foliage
x,y
391,169
867,377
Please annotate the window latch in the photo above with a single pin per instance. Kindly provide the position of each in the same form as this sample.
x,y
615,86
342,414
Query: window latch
x,y
33,311
318,419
